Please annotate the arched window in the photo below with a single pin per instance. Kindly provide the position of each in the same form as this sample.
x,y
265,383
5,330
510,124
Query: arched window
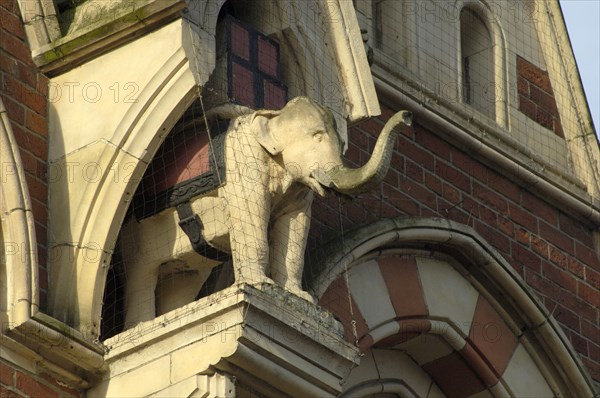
x,y
477,56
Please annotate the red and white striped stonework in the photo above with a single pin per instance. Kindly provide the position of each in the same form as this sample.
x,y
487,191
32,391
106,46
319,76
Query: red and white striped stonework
x,y
426,325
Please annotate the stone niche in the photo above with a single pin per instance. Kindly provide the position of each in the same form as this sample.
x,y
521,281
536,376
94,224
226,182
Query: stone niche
x,y
321,56
122,137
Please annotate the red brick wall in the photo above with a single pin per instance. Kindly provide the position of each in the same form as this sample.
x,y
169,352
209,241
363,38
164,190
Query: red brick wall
x,y
536,97
17,383
23,90
553,252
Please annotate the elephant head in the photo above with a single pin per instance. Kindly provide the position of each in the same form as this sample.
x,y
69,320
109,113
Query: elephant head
x,y
304,136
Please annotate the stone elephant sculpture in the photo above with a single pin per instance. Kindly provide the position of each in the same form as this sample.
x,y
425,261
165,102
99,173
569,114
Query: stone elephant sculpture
x,y
275,161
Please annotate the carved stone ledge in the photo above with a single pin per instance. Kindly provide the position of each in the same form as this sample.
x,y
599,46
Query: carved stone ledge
x,y
269,340
64,352
103,31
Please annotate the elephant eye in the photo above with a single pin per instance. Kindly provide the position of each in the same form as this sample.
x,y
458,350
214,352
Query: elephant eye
x,y
318,136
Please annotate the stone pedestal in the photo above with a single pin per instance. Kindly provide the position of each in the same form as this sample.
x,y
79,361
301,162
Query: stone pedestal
x,y
238,342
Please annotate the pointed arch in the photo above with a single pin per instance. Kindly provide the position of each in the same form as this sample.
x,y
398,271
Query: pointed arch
x,y
435,291
122,139
78,283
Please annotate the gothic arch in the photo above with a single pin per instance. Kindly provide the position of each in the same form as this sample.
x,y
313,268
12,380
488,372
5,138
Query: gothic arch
x,y
161,102
432,292
97,209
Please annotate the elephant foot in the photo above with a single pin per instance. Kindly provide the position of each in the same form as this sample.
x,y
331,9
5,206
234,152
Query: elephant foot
x,y
302,294
255,280
134,321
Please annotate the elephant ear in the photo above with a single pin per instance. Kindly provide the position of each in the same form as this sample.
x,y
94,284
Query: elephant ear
x,y
265,135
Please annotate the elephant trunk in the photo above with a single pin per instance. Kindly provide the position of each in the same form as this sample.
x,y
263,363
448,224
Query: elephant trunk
x,y
354,181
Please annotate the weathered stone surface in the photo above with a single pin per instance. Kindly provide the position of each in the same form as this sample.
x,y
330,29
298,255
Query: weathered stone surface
x,y
270,336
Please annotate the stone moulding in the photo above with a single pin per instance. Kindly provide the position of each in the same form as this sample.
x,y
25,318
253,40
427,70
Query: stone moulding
x,y
56,348
515,161
352,59
64,351
269,339
544,338
102,31
17,228
581,136
205,385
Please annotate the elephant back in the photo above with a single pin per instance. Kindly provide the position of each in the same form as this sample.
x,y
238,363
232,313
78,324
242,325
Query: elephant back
x,y
189,163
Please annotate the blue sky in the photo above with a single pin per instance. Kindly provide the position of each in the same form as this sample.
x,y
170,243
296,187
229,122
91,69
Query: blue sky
x,y
583,23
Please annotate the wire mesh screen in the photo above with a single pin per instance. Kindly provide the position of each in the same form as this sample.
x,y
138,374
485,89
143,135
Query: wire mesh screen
x,y
175,245
155,247
191,230
496,64
493,68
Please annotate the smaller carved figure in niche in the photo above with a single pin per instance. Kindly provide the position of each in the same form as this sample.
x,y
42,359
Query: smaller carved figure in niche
x,y
274,162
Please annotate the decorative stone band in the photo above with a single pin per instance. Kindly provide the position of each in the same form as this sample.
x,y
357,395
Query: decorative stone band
x,y
424,307
434,290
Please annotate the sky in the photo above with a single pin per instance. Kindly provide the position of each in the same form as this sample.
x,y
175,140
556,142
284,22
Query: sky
x,y
583,23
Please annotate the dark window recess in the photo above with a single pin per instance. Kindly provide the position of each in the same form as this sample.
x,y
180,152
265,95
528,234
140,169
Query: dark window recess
x,y
184,166
247,70
477,51
466,80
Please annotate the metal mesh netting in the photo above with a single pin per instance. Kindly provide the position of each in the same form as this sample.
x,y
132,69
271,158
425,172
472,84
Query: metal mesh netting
x,y
488,66
173,248
183,167
495,65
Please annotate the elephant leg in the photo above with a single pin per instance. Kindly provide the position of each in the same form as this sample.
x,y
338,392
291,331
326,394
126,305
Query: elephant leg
x,y
180,280
250,262
140,283
246,194
288,236
178,289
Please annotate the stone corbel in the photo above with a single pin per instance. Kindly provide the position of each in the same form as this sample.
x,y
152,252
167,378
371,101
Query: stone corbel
x,y
201,386
270,340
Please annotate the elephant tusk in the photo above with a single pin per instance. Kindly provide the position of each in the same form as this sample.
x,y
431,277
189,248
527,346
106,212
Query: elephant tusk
x,y
323,178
